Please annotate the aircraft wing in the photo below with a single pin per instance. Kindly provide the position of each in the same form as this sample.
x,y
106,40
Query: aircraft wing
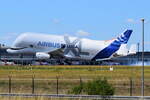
x,y
60,53
57,53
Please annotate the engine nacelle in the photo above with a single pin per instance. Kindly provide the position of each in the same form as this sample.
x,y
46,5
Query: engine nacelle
x,y
42,55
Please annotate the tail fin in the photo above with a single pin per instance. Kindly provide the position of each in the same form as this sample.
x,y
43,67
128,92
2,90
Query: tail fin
x,y
124,37
114,46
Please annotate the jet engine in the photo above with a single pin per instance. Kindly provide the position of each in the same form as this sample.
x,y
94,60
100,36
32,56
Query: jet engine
x,y
42,55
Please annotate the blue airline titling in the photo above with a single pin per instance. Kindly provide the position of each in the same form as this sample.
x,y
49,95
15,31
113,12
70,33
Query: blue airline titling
x,y
55,45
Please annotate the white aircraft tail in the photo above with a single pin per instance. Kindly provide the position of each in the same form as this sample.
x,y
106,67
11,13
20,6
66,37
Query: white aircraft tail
x,y
114,46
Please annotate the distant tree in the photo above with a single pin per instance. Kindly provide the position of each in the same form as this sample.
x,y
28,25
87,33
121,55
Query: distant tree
x,y
98,86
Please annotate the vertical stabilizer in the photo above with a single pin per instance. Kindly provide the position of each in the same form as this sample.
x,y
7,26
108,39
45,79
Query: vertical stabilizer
x,y
114,46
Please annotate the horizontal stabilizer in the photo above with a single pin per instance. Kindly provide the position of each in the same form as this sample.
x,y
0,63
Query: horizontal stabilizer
x,y
133,49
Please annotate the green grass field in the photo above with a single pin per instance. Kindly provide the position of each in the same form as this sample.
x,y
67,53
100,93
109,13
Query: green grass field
x,y
69,76
74,72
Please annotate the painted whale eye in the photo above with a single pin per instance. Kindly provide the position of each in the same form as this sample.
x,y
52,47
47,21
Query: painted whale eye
x,y
31,46
63,45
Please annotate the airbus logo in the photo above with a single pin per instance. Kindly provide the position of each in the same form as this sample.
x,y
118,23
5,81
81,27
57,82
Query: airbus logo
x,y
55,45
69,46
49,44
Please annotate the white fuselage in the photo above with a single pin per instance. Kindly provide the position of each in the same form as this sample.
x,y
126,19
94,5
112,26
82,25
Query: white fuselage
x,y
49,43
46,46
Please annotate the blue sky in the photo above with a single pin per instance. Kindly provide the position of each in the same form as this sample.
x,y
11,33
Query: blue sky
x,y
94,19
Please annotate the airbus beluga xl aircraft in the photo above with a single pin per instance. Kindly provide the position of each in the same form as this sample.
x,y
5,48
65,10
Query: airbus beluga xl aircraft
x,y
55,46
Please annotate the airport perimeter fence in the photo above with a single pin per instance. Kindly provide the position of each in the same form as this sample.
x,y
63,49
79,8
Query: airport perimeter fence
x,y
124,87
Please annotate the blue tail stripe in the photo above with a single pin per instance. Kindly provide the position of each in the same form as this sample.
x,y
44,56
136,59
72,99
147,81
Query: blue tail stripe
x,y
108,51
114,46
